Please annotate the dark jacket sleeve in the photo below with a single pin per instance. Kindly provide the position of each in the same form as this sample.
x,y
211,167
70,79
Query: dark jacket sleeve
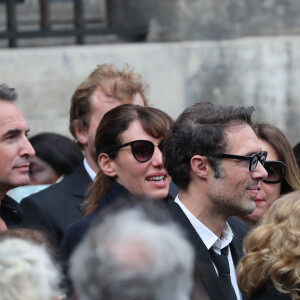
x,y
11,212
269,292
74,235
35,217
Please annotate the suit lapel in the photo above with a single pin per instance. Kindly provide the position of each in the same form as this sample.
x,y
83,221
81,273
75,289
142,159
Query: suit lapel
x,y
82,181
236,246
235,251
206,268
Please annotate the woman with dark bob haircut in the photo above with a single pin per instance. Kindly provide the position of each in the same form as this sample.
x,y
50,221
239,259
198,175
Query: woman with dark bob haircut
x,y
282,168
127,143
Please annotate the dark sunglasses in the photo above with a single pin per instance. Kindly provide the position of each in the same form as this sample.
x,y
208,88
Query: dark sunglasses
x,y
253,159
276,171
142,150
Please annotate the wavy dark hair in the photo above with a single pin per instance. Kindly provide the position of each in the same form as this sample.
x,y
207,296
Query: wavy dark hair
x,y
200,129
7,93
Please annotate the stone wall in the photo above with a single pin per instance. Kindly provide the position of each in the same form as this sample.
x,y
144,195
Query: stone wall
x,y
263,72
181,20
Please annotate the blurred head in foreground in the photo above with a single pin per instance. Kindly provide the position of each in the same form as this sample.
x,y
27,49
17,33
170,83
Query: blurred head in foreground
x,y
27,271
133,252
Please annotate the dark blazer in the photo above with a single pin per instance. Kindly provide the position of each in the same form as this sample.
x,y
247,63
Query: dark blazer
x,y
10,212
55,208
78,229
269,292
206,267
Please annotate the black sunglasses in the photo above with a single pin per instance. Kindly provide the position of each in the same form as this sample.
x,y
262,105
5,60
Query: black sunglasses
x,y
276,171
142,150
253,159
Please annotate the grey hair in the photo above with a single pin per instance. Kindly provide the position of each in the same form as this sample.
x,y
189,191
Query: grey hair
x,y
129,257
27,271
7,93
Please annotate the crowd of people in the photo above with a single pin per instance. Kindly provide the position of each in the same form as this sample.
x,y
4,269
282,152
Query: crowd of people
x,y
144,207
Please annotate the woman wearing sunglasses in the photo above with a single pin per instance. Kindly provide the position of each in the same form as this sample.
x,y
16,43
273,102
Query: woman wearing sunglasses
x,y
282,168
127,142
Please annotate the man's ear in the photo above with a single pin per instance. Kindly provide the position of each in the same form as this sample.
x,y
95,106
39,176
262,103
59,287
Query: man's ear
x,y
200,166
106,165
81,132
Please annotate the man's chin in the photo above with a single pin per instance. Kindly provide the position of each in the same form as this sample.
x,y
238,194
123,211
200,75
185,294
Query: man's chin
x,y
21,182
248,211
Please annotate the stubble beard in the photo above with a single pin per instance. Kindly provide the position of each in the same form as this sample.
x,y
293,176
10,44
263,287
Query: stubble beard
x,y
232,204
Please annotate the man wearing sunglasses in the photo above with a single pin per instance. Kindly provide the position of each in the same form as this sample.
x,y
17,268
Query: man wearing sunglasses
x,y
216,160
55,208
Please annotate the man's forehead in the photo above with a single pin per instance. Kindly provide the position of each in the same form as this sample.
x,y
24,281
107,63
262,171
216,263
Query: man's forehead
x,y
7,106
11,118
242,138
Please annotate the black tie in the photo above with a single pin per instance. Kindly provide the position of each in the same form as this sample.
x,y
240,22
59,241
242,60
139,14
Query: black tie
x,y
222,265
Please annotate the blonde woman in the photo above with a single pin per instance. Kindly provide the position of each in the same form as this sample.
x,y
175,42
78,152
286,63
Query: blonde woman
x,y
270,268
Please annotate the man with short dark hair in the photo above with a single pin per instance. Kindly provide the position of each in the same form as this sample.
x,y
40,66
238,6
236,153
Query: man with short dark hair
x,y
15,152
55,208
214,157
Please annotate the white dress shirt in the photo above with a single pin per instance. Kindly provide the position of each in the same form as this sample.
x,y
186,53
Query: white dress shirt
x,y
89,170
211,240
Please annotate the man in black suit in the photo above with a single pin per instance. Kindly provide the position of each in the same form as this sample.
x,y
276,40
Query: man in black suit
x,y
216,160
15,151
55,208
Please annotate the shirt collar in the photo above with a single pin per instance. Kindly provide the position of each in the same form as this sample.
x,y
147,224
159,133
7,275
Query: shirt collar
x,y
89,170
206,235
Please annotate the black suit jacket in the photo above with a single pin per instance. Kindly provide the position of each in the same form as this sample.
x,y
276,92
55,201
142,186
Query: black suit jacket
x,y
10,212
55,208
206,268
269,292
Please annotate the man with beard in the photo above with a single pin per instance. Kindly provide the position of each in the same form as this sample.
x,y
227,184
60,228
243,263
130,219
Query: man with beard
x,y
216,160
15,151
55,208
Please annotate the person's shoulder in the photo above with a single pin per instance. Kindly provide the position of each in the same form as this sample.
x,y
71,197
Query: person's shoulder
x,y
74,234
60,189
81,225
269,292
50,191
7,201
11,211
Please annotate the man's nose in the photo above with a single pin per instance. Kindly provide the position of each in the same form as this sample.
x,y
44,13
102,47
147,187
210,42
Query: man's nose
x,y
260,172
26,148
